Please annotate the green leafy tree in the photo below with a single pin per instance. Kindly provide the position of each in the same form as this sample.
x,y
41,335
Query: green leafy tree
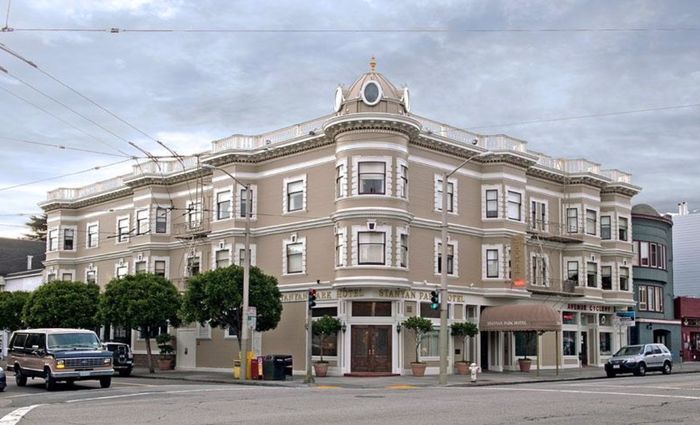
x,y
62,304
463,330
144,302
217,297
420,326
324,327
38,225
11,306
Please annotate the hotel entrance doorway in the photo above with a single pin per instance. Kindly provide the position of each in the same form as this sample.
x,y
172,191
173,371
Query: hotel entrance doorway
x,y
371,348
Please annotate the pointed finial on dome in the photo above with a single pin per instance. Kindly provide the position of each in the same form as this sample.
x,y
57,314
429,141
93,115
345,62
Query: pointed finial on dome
x,y
372,64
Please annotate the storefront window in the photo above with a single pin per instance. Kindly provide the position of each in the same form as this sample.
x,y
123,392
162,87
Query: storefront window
x,y
569,343
525,344
605,343
330,345
568,318
429,344
371,308
426,311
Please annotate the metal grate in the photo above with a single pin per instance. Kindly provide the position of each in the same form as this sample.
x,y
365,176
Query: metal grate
x,y
84,362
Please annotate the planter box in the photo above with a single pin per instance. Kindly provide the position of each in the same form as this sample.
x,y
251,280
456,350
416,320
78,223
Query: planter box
x,y
418,369
524,364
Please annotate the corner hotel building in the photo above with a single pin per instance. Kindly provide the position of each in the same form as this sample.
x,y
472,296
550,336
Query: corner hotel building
x,y
350,204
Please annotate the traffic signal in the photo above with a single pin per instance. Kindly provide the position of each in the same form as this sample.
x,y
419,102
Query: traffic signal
x,y
434,300
312,298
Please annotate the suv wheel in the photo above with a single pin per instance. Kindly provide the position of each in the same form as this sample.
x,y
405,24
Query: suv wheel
x,y
667,368
20,379
641,370
49,380
105,382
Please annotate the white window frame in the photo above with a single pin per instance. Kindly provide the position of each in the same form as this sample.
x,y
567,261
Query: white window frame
x,y
121,263
540,260
499,201
50,246
520,192
596,226
237,253
128,228
613,277
611,228
342,249
597,273
437,254
565,267
539,202
501,259
70,273
137,225
140,259
62,238
167,265
629,277
341,179
218,247
580,227
401,231
388,173
89,269
203,332
239,190
437,203
294,240
402,184
167,210
629,228
185,262
285,193
87,234
191,213
388,242
228,197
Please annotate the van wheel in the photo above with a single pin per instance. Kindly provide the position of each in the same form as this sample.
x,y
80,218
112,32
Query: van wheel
x,y
105,382
641,370
49,380
20,379
667,368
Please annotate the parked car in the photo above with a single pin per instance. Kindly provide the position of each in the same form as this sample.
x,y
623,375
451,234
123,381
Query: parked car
x,y
638,359
122,357
55,355
3,380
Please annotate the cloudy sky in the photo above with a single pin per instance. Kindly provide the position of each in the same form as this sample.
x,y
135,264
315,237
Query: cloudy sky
x,y
189,88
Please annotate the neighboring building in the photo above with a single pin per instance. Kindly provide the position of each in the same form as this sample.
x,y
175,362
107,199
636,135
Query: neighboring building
x,y
686,249
688,312
21,269
353,200
653,279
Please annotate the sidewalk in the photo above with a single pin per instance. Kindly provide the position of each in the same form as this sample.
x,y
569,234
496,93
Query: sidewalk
x,y
402,382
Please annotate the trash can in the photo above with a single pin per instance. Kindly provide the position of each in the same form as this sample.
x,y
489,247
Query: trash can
x,y
268,368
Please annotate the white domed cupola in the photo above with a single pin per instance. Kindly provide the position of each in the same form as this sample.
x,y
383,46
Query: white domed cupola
x,y
372,92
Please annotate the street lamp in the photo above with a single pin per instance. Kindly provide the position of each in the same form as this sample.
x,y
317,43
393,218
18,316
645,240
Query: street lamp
x,y
246,268
442,337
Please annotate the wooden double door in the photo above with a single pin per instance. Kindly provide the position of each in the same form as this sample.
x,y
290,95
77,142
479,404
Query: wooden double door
x,y
370,348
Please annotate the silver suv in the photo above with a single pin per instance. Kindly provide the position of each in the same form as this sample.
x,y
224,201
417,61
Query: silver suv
x,y
638,359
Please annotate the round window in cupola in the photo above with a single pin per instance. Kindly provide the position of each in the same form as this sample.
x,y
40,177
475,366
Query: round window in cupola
x,y
371,93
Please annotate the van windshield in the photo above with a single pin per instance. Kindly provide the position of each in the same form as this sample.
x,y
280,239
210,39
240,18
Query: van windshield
x,y
73,341
630,350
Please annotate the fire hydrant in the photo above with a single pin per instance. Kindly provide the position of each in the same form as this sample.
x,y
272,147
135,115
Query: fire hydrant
x,y
475,370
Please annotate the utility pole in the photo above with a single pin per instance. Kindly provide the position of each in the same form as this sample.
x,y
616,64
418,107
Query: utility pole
x,y
311,301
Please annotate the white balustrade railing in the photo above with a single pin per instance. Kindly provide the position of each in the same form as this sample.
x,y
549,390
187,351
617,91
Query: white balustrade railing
x,y
617,176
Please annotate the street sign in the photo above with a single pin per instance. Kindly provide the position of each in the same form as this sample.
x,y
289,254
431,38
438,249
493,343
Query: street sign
x,y
252,317
623,321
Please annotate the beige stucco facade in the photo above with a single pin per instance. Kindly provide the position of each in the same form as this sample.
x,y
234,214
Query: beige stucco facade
x,y
352,201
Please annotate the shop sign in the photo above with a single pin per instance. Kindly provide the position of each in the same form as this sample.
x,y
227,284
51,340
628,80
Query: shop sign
x,y
392,293
590,307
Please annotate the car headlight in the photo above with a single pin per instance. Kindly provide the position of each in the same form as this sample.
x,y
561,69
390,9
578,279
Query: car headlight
x,y
60,364
0,369
106,360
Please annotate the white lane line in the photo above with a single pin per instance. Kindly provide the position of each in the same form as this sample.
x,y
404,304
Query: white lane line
x,y
16,415
685,397
109,397
133,384
653,387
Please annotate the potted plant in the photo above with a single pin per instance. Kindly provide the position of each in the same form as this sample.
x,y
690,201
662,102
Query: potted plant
x,y
166,361
524,364
323,328
420,326
461,331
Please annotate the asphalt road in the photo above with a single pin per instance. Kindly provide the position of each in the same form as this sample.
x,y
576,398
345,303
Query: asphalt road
x,y
653,399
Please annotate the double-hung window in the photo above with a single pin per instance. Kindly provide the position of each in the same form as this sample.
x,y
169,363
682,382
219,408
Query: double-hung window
x,y
539,270
572,220
492,263
605,229
123,229
572,271
372,177
450,195
53,240
606,277
68,239
222,258
403,253
622,228
538,215
121,271
403,170
140,267
590,222
244,207
161,220
592,275
223,205
91,276
92,235
194,215
193,266
142,222
339,249
340,181
514,204
159,268
450,258
370,246
295,253
492,203
624,278
295,195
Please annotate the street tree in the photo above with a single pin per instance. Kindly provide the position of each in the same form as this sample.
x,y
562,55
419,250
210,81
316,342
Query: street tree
x,y
11,306
144,302
217,297
37,223
62,304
